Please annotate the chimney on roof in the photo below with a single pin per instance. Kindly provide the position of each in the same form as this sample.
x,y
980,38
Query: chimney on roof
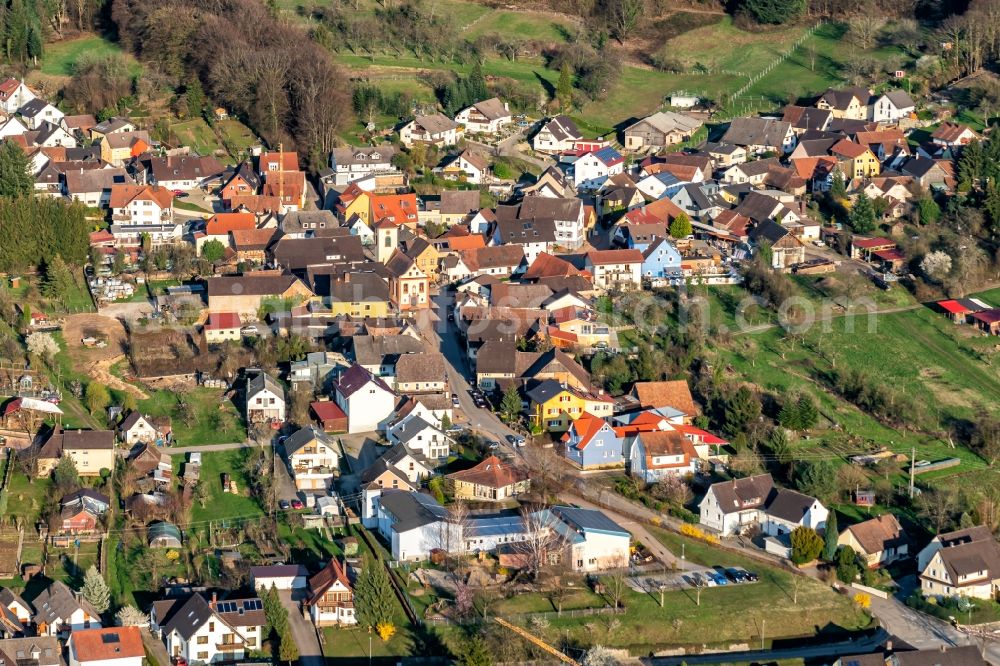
x,y
212,603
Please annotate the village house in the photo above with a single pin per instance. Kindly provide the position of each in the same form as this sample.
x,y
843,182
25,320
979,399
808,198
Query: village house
x,y
592,541
486,117
414,523
90,450
119,147
142,209
351,163
879,541
591,170
208,631
953,135
419,436
244,294
491,480
964,563
59,611
500,360
761,135
469,166
663,128
366,399
553,405
557,135
37,111
32,651
849,103
331,596
615,269
14,94
652,456
786,249
265,398
421,373
115,646
436,129
80,512
222,327
138,428
409,287
737,506
592,443
892,106
182,172
312,458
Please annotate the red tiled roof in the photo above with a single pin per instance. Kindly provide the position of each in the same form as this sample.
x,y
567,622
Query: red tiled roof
x,y
103,644
599,257
218,321
469,242
869,243
327,410
549,265
397,208
492,473
221,224
890,255
585,428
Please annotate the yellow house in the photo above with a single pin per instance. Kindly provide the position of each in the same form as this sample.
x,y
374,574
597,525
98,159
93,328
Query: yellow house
x,y
851,103
354,201
118,147
856,161
554,406
425,256
492,480
362,295
409,288
90,450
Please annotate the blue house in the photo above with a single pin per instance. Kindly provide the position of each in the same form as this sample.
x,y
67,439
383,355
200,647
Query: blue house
x,y
591,443
661,262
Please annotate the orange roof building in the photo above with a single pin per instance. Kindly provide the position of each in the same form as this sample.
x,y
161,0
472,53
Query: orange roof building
x,y
399,209
221,224
491,480
115,645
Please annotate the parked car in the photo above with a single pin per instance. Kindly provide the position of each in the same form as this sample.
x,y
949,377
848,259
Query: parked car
x,y
297,504
284,505
710,580
751,577
719,579
494,445
736,575
454,400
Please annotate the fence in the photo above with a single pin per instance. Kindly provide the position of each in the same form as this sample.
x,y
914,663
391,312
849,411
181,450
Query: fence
x,y
524,617
881,594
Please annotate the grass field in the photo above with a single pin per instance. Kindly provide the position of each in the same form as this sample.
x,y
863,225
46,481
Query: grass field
x,y
59,58
213,421
222,505
540,26
235,135
198,135
26,498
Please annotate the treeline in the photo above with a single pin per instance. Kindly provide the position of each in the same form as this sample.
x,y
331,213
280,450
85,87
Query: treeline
x,y
36,230
25,25
265,70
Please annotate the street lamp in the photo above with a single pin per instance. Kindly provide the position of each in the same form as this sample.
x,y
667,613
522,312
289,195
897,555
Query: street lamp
x,y
683,545
369,646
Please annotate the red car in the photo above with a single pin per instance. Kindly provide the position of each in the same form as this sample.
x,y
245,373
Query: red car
x,y
297,504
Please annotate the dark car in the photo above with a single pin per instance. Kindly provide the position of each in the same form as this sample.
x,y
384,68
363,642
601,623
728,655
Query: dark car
x,y
451,316
284,505
735,575
751,576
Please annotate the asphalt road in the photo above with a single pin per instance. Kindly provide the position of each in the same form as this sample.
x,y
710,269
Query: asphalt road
x,y
310,653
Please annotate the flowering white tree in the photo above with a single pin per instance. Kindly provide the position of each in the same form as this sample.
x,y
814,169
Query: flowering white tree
x,y
42,345
936,265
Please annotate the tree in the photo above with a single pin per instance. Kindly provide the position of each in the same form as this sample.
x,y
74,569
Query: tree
x,y
928,210
65,475
58,279
510,405
774,11
130,616
288,651
564,89
817,478
373,594
15,171
213,250
474,652
541,538
97,397
42,345
808,412
838,189
847,564
194,94
789,417
936,265
95,590
780,447
624,16
862,217
599,656
806,545
680,227
830,537
742,409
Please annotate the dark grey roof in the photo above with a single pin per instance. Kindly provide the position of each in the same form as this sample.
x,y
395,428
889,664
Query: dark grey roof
x,y
757,132
542,207
588,519
768,230
261,381
406,430
900,99
397,452
545,391
304,220
57,603
966,655
33,108
563,128
304,436
22,650
278,571
381,465
525,231
747,493
188,617
384,349
788,504
412,510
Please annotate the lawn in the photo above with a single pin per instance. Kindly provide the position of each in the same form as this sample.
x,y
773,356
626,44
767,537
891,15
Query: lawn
x,y
918,353
59,58
194,208
209,418
528,25
26,499
222,505
69,564
237,138
196,134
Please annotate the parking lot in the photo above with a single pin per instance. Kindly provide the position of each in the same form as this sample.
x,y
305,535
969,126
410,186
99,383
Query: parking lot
x,y
698,577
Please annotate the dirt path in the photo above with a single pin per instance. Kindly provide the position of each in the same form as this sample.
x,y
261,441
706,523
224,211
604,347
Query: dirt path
x,y
96,362
101,371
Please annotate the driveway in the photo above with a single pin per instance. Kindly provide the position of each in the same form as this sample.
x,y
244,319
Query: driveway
x,y
284,485
310,653
360,452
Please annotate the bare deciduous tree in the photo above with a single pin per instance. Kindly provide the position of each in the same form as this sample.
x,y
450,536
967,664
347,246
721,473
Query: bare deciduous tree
x,y
542,539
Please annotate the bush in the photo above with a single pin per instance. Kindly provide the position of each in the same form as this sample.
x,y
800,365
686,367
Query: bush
x,y
806,545
698,533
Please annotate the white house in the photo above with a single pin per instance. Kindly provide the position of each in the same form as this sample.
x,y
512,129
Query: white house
x,y
470,166
732,507
611,269
659,185
142,209
415,524
312,459
592,541
14,94
116,646
331,597
352,163
892,106
265,398
208,631
12,127
964,563
486,117
51,135
37,111
417,435
591,170
556,136
436,129
136,428
59,611
279,576
366,399
653,456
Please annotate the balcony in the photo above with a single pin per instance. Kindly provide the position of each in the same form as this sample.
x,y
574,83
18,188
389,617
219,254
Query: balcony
x,y
230,647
